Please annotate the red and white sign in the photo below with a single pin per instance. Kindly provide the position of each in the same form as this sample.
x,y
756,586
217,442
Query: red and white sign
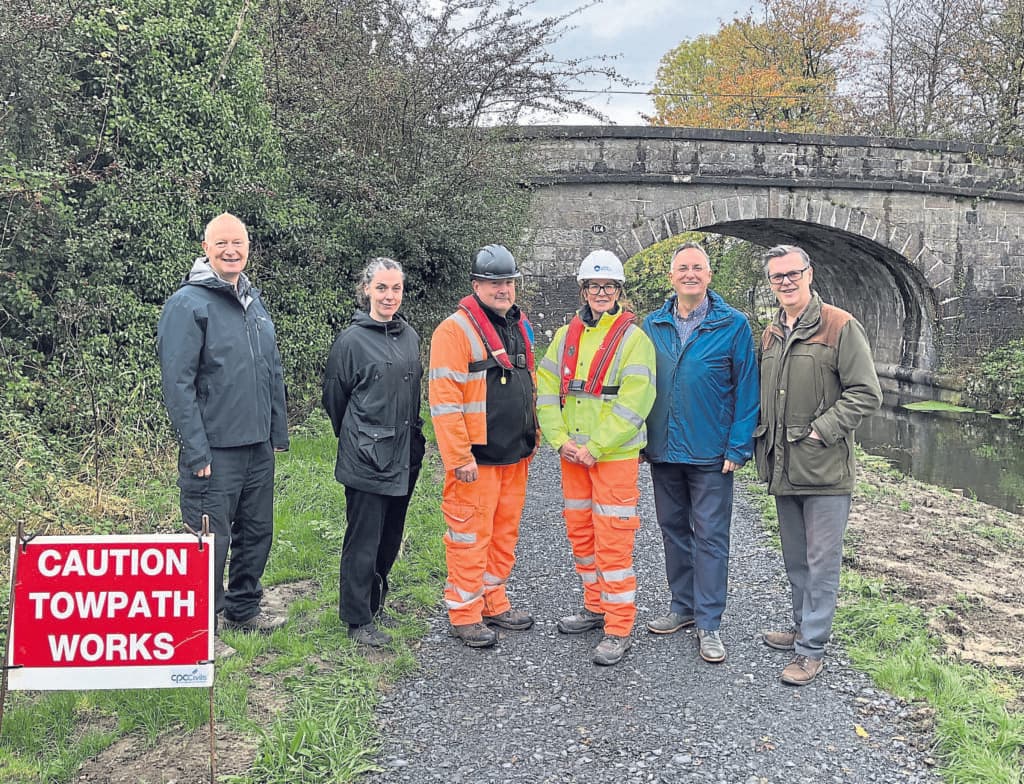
x,y
112,612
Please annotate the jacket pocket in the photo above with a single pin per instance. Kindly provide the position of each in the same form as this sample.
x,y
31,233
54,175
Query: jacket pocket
x,y
459,518
376,446
810,463
761,451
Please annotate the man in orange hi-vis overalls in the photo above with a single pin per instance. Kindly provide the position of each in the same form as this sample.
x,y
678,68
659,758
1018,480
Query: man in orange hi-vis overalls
x,y
482,390
595,389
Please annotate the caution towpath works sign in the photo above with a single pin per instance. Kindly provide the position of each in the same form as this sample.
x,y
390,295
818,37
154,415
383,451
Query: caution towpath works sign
x,y
112,612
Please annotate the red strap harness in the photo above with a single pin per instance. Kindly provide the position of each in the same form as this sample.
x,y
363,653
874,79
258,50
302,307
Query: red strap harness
x,y
489,334
602,358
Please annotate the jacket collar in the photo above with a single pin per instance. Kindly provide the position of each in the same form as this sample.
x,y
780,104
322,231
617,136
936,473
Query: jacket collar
x,y
808,322
716,317
394,327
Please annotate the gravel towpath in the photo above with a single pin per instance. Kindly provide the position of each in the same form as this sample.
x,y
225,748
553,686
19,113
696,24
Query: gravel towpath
x,y
535,709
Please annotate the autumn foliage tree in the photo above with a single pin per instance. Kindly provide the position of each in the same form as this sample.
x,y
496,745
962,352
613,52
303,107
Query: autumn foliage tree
x,y
779,70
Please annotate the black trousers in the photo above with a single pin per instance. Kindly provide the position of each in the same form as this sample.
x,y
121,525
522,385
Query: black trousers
x,y
238,496
373,537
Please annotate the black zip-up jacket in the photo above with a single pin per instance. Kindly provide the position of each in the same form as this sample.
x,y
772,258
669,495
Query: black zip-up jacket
x,y
511,398
372,393
220,369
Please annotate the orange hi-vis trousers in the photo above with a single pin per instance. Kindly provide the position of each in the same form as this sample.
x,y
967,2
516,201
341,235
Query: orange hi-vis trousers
x,y
601,521
480,544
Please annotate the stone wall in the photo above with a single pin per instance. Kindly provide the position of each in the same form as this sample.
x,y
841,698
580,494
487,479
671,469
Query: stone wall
x,y
923,241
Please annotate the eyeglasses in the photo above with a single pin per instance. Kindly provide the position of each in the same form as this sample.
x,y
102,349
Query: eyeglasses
x,y
793,276
602,288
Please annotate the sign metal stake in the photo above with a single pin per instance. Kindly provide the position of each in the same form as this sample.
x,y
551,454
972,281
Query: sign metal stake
x,y
20,542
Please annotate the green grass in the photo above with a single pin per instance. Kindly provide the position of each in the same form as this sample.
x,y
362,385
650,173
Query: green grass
x,y
324,689
937,406
978,740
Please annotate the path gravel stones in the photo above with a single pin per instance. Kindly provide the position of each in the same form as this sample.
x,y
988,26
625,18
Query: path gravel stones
x,y
535,709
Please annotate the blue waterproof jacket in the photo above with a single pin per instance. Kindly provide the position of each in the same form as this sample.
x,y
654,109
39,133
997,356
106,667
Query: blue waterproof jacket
x,y
707,403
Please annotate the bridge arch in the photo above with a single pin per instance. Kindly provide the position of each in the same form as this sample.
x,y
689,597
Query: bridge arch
x,y
858,265
923,240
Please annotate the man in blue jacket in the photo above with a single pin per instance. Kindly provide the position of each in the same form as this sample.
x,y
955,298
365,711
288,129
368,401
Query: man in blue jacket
x,y
223,388
699,432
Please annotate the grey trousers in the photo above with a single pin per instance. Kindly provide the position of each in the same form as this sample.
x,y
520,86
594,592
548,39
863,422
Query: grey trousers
x,y
811,528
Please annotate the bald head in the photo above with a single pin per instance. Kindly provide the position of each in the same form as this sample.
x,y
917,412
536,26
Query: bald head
x,y
226,243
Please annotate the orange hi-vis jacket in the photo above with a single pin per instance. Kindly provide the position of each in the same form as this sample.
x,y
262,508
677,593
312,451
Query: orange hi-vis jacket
x,y
458,395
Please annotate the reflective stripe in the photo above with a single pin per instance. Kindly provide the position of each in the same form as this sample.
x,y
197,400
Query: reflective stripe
x,y
492,579
578,503
618,574
445,408
455,408
547,400
614,510
588,577
585,560
475,341
549,364
626,597
630,416
581,438
454,375
638,440
455,536
638,370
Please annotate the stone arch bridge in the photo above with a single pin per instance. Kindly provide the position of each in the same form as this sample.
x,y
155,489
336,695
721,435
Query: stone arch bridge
x,y
922,240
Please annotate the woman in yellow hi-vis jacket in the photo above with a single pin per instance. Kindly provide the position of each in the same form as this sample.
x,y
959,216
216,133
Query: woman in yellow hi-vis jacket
x,y
595,388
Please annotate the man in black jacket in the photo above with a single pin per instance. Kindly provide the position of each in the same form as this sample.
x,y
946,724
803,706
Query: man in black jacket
x,y
223,388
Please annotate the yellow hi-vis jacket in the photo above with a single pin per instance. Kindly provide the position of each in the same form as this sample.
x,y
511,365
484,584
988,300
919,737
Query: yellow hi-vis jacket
x,y
611,426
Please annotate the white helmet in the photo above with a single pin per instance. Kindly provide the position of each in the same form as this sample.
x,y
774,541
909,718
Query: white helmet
x,y
601,264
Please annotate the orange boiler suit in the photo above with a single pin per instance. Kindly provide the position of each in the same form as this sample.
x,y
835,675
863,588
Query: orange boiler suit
x,y
482,411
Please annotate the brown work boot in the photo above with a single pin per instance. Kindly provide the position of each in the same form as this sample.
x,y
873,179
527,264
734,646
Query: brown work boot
x,y
514,620
474,635
611,649
583,621
802,670
780,641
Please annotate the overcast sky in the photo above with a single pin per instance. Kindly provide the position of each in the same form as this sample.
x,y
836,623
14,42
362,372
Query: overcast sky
x,y
640,32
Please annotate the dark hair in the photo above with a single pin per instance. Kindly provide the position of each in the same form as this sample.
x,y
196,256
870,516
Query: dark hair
x,y
374,266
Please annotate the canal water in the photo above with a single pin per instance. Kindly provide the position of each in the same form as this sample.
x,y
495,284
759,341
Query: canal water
x,y
970,452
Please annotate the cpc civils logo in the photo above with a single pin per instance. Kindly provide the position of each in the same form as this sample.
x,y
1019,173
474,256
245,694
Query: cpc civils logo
x,y
598,267
188,677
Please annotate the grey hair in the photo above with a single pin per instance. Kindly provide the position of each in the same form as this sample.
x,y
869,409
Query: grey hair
x,y
784,250
374,266
692,246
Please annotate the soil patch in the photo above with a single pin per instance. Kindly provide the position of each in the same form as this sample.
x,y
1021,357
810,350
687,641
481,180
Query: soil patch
x,y
184,758
956,558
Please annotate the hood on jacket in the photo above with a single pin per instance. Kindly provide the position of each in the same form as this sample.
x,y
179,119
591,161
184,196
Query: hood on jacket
x,y
202,274
394,327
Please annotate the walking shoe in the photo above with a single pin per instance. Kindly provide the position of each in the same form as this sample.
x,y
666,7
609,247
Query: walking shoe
x,y
711,647
801,670
583,621
368,634
515,620
780,641
261,622
669,623
475,635
611,650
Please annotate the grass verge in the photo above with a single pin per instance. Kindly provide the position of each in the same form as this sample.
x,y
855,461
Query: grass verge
x,y
978,740
305,695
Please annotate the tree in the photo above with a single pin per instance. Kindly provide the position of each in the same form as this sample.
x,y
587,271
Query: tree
x,y
780,71
394,114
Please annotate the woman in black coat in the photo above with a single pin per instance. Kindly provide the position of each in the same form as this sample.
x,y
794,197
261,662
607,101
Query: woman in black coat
x,y
372,395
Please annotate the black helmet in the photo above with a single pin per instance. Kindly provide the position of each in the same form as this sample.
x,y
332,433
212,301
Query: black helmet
x,y
494,262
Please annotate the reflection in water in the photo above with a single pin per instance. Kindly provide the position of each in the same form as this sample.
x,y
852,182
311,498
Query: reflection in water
x,y
975,453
